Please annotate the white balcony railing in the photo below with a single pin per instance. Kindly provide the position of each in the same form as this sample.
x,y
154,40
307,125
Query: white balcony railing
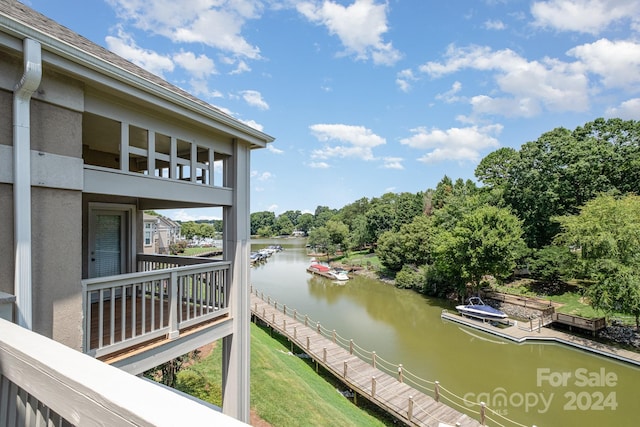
x,y
45,383
166,296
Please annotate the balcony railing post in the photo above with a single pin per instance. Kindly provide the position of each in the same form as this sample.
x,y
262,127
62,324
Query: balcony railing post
x,y
174,304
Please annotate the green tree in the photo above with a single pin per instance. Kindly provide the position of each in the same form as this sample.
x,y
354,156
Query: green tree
x,y
381,216
322,215
262,220
390,250
494,170
606,235
338,234
352,211
486,241
359,236
292,215
411,245
552,264
408,207
189,230
305,222
283,225
561,170
320,239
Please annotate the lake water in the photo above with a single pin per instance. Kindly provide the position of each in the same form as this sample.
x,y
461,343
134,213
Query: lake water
x,y
540,384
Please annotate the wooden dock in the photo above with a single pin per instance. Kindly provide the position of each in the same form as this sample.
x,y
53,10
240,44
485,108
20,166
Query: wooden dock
x,y
399,399
524,332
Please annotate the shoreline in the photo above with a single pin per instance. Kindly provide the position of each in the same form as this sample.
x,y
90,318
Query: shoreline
x,y
513,333
613,351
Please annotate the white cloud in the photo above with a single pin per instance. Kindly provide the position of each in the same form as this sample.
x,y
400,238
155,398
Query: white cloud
x,y
242,67
319,165
217,24
359,26
124,45
200,87
271,148
404,79
628,110
254,98
617,62
358,141
494,24
264,176
198,66
527,86
254,125
584,16
450,95
393,163
186,215
461,144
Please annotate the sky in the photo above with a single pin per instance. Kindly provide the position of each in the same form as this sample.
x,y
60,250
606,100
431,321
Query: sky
x,y
366,97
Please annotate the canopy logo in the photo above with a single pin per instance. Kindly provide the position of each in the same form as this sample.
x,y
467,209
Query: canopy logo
x,y
595,393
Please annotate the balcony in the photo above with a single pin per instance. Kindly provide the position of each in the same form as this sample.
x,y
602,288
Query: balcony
x,y
169,297
181,168
43,382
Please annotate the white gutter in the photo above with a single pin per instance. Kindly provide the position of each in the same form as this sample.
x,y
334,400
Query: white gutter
x,y
22,179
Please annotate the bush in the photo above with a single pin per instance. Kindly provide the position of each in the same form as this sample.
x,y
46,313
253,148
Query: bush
x,y
194,384
178,247
410,278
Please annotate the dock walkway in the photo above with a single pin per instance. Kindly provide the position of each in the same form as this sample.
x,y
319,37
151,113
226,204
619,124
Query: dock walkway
x,y
407,404
518,334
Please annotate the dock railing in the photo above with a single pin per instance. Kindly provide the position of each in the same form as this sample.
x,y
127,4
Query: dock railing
x,y
592,325
433,389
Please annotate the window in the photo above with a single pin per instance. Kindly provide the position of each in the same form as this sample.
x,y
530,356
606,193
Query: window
x,y
148,232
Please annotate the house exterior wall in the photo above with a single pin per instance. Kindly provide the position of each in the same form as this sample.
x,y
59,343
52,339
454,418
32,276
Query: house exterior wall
x,y
56,251
56,212
103,132
7,262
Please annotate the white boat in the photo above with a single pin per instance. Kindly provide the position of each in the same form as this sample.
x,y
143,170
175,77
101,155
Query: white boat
x,y
477,308
328,272
338,275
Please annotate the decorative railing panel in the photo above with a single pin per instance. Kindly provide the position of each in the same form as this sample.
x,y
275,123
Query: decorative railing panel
x,y
168,295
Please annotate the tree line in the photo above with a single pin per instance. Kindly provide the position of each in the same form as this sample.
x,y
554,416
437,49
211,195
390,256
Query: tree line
x,y
564,206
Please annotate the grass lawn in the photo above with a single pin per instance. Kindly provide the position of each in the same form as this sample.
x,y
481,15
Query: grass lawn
x,y
568,294
285,389
197,251
361,259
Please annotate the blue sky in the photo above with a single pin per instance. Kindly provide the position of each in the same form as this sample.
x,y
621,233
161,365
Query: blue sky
x,y
366,97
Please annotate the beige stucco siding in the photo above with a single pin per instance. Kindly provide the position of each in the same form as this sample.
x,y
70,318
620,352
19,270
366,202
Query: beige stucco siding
x,y
56,252
7,263
56,130
6,117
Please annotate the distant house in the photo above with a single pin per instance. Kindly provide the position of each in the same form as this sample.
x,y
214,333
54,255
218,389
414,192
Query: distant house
x,y
159,234
88,142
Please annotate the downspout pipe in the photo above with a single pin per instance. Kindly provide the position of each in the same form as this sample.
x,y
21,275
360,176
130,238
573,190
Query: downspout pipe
x,y
22,179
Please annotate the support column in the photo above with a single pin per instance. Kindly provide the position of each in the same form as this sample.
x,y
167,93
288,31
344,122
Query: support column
x,y
236,247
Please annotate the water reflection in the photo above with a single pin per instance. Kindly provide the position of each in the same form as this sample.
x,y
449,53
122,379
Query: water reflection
x,y
405,327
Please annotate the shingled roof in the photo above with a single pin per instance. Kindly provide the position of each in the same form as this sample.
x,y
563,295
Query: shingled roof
x,y
42,24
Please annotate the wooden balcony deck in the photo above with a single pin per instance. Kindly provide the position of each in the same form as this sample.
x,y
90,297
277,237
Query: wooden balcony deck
x,y
168,298
127,325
